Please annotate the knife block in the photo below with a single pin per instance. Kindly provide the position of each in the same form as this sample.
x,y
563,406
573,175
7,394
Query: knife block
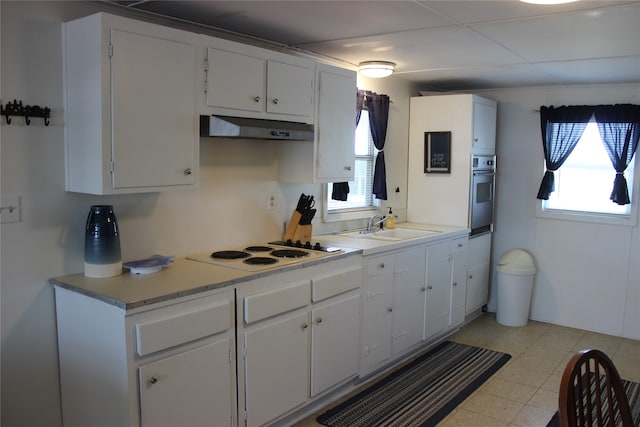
x,y
303,233
290,232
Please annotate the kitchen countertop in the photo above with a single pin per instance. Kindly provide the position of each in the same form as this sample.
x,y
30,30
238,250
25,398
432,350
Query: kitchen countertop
x,y
371,246
181,278
186,277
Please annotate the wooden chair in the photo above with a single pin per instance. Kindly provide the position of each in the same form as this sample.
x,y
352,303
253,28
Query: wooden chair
x,y
591,393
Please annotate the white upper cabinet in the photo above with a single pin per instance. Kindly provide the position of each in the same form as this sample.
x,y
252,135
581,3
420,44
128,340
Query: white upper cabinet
x,y
331,157
484,126
248,81
336,124
131,120
235,81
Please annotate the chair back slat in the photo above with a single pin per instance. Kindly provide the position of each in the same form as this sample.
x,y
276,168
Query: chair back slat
x,y
591,393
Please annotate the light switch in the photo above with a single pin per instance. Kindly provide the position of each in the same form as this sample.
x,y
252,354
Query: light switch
x,y
9,209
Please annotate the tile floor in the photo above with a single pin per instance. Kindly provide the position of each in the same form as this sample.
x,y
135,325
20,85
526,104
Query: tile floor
x,y
524,392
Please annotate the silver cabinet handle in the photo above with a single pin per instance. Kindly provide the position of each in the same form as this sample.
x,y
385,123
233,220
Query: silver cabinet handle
x,y
455,283
319,320
257,99
381,265
153,380
389,309
347,168
459,245
429,287
304,325
470,276
423,289
188,172
276,100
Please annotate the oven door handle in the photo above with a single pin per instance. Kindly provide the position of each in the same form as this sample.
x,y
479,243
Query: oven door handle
x,y
484,173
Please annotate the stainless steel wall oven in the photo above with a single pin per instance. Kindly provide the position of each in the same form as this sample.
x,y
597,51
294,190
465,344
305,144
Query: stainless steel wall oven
x,y
483,172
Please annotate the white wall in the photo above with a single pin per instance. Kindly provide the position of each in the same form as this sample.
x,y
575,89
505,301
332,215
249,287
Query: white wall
x,y
588,275
228,208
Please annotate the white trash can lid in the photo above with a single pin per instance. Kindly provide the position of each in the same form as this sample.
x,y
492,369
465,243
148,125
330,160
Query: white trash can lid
x,y
516,261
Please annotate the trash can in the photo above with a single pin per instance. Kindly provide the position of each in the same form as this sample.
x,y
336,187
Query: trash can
x,y
515,283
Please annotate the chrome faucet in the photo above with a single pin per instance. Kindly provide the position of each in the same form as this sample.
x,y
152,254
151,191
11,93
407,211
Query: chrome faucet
x,y
371,222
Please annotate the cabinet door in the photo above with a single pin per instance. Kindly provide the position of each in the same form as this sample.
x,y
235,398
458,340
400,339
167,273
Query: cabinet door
x,y
193,388
408,299
438,291
377,309
276,364
235,81
478,272
154,118
335,125
484,126
334,351
459,257
289,89
477,287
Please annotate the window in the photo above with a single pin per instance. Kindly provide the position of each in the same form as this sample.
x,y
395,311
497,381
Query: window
x,y
360,196
584,182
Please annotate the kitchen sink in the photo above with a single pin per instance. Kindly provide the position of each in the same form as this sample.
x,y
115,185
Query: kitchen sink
x,y
392,234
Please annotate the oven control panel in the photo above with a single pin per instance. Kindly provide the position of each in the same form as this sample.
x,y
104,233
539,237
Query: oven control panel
x,y
483,162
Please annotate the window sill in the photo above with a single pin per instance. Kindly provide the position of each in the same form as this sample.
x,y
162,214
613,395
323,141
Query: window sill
x,y
592,217
349,215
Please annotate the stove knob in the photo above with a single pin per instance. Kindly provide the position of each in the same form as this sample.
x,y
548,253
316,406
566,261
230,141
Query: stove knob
x,y
317,246
307,245
298,243
289,242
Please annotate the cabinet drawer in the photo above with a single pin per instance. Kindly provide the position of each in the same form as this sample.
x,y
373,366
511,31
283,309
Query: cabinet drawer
x,y
334,284
379,265
181,324
457,245
277,301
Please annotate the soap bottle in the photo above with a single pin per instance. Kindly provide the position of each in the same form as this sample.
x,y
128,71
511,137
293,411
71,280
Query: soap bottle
x,y
391,220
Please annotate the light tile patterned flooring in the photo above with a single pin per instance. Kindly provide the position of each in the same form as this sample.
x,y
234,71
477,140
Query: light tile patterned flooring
x,y
524,392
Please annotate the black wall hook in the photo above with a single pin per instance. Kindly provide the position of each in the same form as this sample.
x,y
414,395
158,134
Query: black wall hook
x,y
16,108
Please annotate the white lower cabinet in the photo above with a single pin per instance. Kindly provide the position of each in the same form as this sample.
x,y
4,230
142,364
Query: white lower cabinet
x,y
438,293
169,364
446,286
298,335
478,273
202,374
276,364
408,299
410,296
393,305
459,259
334,345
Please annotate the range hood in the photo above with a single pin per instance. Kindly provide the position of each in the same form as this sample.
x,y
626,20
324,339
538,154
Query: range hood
x,y
240,127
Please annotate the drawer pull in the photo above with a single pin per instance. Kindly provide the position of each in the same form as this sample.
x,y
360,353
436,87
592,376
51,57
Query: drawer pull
x,y
389,309
153,380
257,99
304,325
429,287
319,320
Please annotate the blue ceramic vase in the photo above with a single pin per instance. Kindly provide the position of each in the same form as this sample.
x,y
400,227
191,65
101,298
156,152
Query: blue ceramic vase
x,y
102,243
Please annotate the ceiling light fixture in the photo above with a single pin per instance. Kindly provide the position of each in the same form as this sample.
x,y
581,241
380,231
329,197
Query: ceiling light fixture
x,y
377,69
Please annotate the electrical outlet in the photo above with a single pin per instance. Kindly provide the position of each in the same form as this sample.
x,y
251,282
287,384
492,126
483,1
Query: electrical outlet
x,y
9,209
271,201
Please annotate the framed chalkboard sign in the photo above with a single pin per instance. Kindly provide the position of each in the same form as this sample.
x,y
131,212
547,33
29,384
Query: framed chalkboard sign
x,y
437,152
